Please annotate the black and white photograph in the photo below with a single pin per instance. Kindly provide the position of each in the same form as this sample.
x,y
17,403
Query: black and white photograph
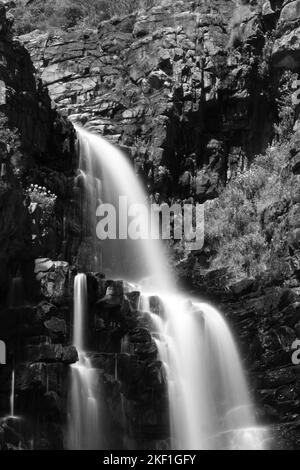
x,y
149,228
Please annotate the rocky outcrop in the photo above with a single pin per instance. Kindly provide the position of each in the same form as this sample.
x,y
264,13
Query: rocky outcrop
x,y
267,324
37,147
188,89
132,382
44,134
285,51
166,86
36,309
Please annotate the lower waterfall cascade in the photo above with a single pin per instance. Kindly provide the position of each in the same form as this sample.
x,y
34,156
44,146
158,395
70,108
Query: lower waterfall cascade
x,y
84,427
210,406
12,395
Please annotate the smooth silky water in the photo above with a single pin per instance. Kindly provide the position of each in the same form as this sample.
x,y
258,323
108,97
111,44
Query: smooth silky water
x,y
12,396
107,174
210,407
84,428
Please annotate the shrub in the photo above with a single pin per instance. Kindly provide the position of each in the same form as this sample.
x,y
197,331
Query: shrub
x,y
233,227
286,108
64,14
10,148
45,200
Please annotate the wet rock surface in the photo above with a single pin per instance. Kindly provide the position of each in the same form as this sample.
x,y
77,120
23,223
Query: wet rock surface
x,y
37,147
266,323
132,379
265,318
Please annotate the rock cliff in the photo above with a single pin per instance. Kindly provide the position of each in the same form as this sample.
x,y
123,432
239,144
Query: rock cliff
x,y
37,147
132,381
166,86
189,89
37,150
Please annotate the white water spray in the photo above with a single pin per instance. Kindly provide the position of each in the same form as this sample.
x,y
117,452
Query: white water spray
x,y
84,427
127,259
210,406
12,395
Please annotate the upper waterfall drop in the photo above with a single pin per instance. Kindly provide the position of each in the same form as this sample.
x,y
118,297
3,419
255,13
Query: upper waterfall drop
x,y
210,407
135,260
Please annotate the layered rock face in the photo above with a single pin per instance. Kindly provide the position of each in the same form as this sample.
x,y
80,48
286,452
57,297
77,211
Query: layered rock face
x,y
285,51
188,89
132,382
266,321
44,134
36,148
166,86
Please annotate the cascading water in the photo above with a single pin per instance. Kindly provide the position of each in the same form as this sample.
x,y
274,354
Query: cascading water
x,y
12,395
209,402
210,405
84,427
124,258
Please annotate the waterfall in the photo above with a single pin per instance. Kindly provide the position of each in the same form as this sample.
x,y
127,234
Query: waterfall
x,y
132,260
210,407
84,426
12,395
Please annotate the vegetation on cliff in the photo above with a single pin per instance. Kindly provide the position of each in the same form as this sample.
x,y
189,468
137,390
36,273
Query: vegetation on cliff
x,y
10,144
63,14
241,231
247,227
